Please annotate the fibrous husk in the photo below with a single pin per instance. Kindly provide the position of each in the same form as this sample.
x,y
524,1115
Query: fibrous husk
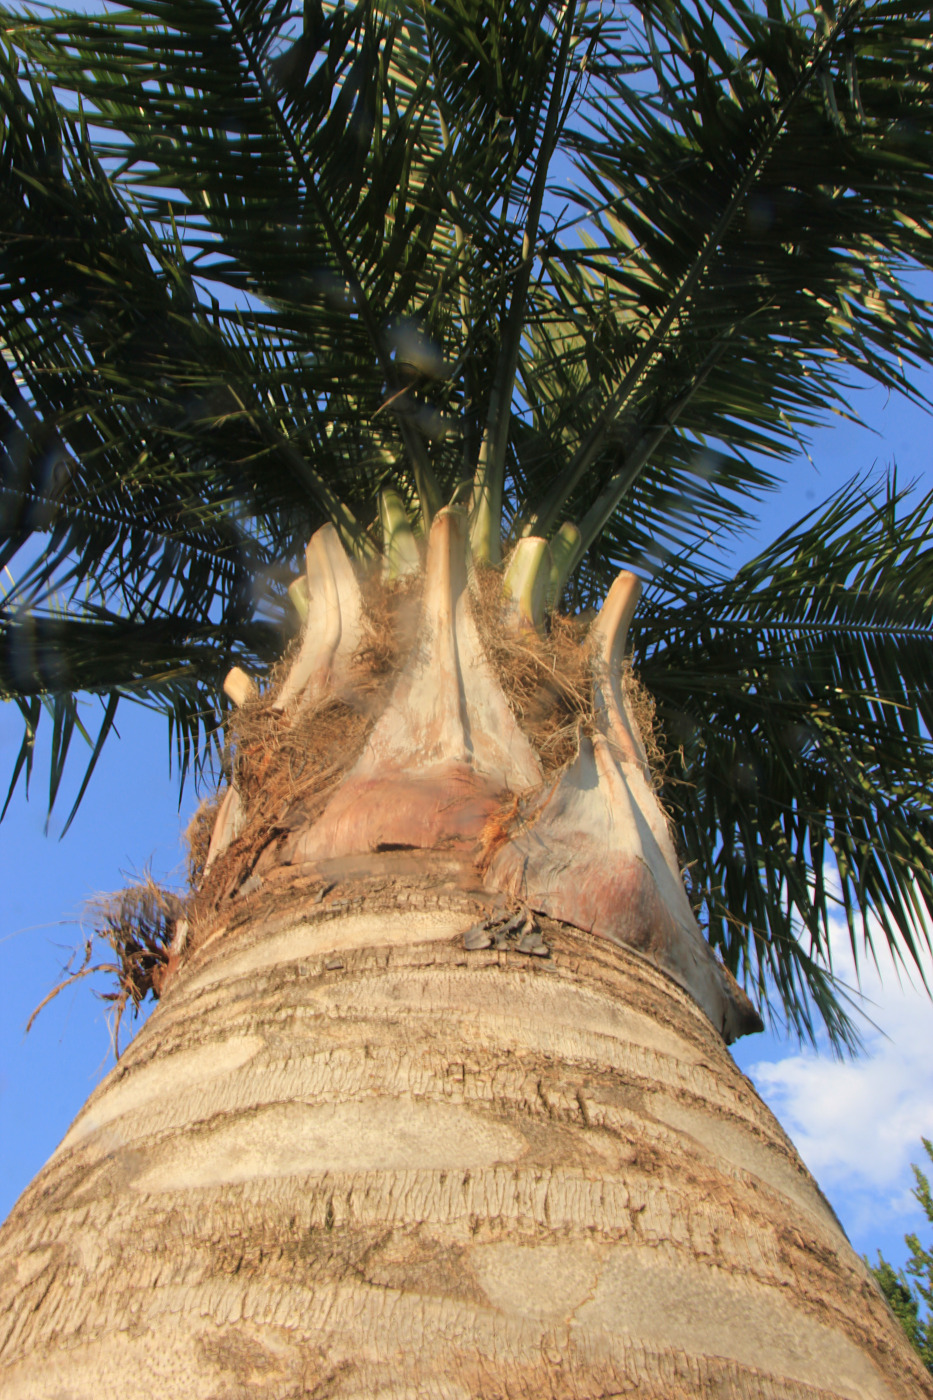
x,y
197,837
286,762
138,924
547,678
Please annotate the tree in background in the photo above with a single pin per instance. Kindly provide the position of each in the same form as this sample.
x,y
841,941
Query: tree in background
x,y
905,1295
498,308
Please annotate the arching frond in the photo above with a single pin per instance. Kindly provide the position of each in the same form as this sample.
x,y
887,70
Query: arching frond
x,y
797,702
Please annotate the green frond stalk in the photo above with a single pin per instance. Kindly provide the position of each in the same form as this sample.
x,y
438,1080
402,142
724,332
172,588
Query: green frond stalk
x,y
527,581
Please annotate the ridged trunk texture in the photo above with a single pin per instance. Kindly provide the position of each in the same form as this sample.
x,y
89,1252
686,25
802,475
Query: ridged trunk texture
x,y
346,1157
437,1103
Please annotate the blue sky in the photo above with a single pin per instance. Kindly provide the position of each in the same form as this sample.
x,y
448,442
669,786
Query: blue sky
x,y
857,1124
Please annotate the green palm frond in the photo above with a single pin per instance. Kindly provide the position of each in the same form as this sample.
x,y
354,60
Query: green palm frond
x,y
751,239
797,705
261,258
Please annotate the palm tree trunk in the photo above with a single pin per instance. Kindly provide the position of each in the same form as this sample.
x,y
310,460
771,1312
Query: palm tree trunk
x,y
386,1137
348,1157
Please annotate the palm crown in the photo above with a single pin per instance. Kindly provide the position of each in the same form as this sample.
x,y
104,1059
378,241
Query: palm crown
x,y
580,269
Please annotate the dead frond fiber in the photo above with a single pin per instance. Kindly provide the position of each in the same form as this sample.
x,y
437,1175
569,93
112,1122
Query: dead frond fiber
x,y
197,838
497,830
138,925
287,763
390,618
546,679
283,758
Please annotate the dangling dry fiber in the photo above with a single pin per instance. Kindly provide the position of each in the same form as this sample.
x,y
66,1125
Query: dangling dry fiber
x,y
545,679
281,758
138,924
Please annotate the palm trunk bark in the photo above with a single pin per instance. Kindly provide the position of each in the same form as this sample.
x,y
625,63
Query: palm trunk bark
x,y
348,1157
380,1139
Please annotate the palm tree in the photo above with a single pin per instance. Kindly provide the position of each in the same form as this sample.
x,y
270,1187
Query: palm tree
x,y
498,308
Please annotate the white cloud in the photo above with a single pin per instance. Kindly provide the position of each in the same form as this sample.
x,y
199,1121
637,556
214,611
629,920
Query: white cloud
x,y
858,1124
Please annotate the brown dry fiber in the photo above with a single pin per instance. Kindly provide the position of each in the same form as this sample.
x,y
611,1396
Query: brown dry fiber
x,y
197,837
547,679
138,924
302,754
287,765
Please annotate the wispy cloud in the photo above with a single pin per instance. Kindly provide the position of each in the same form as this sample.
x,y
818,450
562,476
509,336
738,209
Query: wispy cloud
x,y
858,1124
